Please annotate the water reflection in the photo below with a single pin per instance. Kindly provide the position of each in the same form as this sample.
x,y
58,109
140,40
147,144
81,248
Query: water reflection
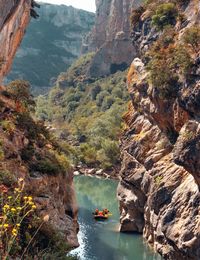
x,y
101,240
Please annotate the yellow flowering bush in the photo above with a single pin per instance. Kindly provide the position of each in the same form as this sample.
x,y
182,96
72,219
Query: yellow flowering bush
x,y
16,210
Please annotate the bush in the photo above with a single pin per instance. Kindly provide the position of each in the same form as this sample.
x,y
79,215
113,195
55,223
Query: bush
x,y
107,103
192,37
7,178
88,154
8,126
100,97
164,14
27,153
45,166
95,91
20,92
167,63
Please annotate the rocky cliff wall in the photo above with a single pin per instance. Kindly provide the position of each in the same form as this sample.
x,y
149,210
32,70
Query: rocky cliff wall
x,y
62,28
53,194
15,16
110,34
159,188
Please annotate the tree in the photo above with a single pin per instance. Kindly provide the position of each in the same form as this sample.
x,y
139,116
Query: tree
x,y
20,91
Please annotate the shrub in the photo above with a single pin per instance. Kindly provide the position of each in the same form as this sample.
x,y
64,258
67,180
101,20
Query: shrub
x,y
100,97
20,91
33,130
95,91
17,212
107,103
109,154
166,63
27,153
192,37
8,126
45,166
88,154
165,14
7,178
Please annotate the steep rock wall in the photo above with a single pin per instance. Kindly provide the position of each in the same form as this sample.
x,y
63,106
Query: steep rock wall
x,y
15,16
159,188
111,34
54,195
62,28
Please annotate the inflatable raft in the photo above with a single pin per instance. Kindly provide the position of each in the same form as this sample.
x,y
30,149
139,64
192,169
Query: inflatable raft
x,y
101,217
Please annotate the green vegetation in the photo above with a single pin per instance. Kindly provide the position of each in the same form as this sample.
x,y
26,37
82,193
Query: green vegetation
x,y
7,178
158,180
164,15
8,126
47,49
192,37
167,63
19,90
89,113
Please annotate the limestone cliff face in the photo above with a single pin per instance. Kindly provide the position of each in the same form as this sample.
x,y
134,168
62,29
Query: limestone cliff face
x,y
14,17
53,194
160,182
62,28
110,34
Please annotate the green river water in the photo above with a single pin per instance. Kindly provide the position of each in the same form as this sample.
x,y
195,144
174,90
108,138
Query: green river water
x,y
102,240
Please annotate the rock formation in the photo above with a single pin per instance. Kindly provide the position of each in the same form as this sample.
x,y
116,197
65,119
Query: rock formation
x,y
14,17
110,37
160,176
62,28
53,193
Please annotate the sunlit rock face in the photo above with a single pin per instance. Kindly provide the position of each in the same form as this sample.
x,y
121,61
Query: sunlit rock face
x,y
54,195
160,175
51,43
14,18
110,37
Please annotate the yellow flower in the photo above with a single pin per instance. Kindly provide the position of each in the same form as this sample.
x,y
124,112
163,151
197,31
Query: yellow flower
x,y
21,179
5,225
25,198
6,207
34,207
30,198
9,197
30,203
17,190
13,210
19,208
18,225
14,232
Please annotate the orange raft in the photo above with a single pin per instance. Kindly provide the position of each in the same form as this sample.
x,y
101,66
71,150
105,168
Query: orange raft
x,y
101,215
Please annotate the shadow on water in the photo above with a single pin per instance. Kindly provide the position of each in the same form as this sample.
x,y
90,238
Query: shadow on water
x,y
101,240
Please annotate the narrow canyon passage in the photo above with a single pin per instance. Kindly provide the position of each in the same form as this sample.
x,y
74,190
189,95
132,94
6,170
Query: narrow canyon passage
x,y
101,240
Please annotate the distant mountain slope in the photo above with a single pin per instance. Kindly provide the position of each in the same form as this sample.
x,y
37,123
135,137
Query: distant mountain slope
x,y
51,44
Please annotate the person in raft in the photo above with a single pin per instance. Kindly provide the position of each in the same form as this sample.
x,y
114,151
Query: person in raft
x,y
105,211
96,213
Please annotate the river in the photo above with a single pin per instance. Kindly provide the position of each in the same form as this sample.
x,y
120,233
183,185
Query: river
x,y
102,240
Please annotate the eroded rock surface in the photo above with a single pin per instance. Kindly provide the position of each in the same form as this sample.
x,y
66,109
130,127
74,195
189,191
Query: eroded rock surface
x,y
53,194
15,16
159,191
110,38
